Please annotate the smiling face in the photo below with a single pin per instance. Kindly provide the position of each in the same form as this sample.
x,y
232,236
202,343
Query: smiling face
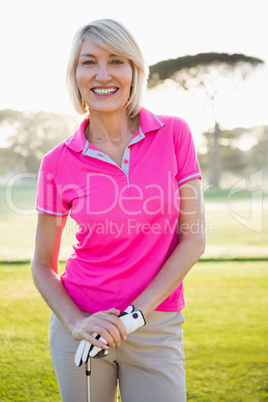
x,y
104,79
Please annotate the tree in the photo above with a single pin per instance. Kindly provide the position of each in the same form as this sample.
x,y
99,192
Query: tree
x,y
242,150
206,75
31,135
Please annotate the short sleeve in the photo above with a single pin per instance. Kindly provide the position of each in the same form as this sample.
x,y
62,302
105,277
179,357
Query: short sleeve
x,y
49,198
187,162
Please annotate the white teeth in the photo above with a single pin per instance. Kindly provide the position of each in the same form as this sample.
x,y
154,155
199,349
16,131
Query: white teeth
x,y
103,91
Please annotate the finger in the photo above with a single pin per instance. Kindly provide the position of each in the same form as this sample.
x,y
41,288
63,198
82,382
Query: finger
x,y
111,334
107,325
99,325
121,328
96,340
92,350
117,330
110,327
113,311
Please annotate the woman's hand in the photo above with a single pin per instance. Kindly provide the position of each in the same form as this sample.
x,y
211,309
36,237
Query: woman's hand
x,y
107,324
45,275
131,319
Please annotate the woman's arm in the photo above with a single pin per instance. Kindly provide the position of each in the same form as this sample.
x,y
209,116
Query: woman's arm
x,y
45,275
191,246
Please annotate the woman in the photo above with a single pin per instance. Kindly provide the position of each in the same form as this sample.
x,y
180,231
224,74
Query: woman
x,y
126,176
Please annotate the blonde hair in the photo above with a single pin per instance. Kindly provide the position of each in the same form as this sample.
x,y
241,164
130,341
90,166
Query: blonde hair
x,y
115,38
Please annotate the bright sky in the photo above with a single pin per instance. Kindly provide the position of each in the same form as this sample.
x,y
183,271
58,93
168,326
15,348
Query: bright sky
x,y
36,37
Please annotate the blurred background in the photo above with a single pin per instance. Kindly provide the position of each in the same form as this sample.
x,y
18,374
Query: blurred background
x,y
208,65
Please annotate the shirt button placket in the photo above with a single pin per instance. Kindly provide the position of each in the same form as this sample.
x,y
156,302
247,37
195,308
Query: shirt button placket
x,y
125,168
126,192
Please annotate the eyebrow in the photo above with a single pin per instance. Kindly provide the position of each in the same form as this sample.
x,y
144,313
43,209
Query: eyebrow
x,y
87,55
92,55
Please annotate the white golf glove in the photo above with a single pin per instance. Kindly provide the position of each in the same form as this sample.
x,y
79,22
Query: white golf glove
x,y
132,321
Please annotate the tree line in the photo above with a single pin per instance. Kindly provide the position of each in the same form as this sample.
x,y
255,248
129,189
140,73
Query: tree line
x,y
206,76
32,134
35,133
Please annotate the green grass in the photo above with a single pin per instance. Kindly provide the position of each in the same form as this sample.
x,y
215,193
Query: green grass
x,y
225,334
226,331
26,369
18,222
226,236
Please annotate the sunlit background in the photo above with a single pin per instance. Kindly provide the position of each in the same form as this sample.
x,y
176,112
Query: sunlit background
x,y
35,42
36,38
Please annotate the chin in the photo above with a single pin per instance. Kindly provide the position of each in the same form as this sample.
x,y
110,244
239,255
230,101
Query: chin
x,y
108,109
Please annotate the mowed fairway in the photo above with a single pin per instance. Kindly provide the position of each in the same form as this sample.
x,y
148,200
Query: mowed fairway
x,y
26,370
225,334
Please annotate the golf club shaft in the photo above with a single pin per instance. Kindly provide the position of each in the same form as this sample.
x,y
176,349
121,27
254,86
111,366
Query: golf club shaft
x,y
88,374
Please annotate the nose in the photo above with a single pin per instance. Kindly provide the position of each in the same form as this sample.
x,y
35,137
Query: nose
x,y
103,73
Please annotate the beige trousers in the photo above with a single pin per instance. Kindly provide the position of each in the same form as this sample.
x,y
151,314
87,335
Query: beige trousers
x,y
149,365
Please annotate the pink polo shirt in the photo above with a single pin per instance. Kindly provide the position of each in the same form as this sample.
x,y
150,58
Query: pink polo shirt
x,y
126,215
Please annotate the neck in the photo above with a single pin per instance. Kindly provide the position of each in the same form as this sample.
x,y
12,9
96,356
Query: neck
x,y
110,127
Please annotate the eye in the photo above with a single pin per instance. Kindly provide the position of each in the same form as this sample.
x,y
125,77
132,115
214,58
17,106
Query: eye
x,y
117,61
88,62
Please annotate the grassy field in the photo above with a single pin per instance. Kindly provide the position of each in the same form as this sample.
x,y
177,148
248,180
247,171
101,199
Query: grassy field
x,y
226,331
225,334
226,236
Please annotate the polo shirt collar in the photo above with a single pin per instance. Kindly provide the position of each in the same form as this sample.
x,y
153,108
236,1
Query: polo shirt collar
x,y
148,122
77,141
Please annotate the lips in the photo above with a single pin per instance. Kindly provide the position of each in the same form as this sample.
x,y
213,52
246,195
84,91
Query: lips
x,y
104,91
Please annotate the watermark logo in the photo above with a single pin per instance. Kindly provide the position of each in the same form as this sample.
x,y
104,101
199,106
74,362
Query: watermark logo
x,y
254,186
10,199
132,227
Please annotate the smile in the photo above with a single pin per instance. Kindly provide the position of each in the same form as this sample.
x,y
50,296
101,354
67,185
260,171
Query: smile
x,y
104,91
